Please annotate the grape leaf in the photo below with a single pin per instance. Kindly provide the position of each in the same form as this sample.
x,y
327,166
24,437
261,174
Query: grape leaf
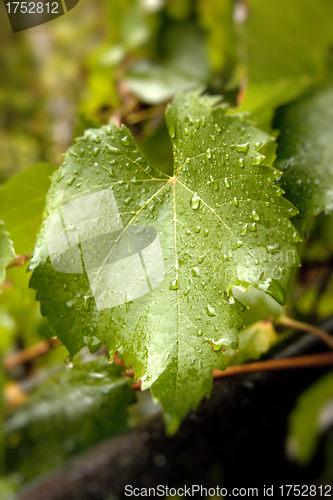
x,y
22,199
305,153
155,280
310,418
7,253
65,416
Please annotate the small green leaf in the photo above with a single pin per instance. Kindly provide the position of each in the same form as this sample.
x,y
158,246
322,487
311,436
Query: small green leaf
x,y
148,261
310,418
86,404
22,199
7,254
185,67
305,153
254,341
258,305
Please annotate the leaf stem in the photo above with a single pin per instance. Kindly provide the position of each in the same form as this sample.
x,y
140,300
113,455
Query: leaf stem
x,y
20,260
29,353
308,361
298,325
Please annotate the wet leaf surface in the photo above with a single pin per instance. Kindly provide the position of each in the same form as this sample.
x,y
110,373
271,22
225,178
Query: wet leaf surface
x,y
145,263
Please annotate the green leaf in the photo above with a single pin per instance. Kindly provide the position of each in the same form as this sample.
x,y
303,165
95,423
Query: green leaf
x,y
22,199
7,254
185,67
258,304
284,47
305,153
310,418
86,404
216,223
254,341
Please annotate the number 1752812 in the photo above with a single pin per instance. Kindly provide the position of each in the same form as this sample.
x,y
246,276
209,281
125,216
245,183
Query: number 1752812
x,y
32,7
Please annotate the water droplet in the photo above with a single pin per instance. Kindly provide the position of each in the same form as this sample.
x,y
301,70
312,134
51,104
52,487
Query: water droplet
x,y
206,231
195,202
208,153
243,148
296,237
216,347
172,131
197,229
241,162
243,232
238,244
292,211
210,311
86,303
96,139
113,150
255,215
226,182
201,258
109,358
125,140
69,362
196,272
257,160
174,285
236,202
70,181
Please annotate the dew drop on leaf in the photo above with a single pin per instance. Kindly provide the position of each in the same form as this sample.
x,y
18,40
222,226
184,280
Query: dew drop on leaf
x,y
174,285
195,201
210,311
196,272
125,140
69,363
255,215
243,148
295,237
